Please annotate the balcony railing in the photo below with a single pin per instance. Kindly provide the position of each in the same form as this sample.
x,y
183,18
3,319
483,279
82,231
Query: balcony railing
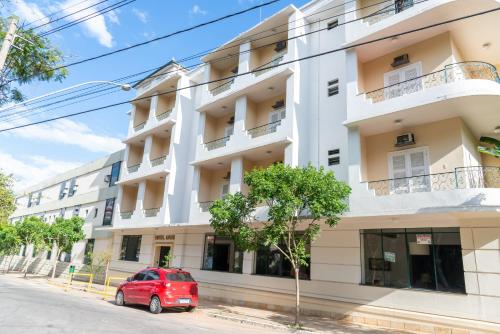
x,y
461,178
222,88
151,212
205,206
264,129
164,115
270,65
389,8
140,126
451,73
126,215
158,161
221,142
133,168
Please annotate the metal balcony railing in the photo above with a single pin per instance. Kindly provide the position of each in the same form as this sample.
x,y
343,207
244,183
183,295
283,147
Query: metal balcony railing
x,y
461,178
389,8
140,126
164,115
126,215
222,88
221,142
151,212
133,168
270,65
264,129
158,161
205,206
451,73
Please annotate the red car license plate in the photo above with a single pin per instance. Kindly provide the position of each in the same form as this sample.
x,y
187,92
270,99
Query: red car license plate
x,y
184,301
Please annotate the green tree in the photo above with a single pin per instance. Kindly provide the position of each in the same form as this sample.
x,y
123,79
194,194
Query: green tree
x,y
7,198
64,233
98,263
33,59
9,242
298,201
32,231
493,146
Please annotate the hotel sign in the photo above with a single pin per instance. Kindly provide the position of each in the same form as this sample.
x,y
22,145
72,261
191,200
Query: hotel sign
x,y
165,237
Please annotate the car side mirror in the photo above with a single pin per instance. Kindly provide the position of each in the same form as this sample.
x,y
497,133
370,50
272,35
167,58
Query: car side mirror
x,y
129,279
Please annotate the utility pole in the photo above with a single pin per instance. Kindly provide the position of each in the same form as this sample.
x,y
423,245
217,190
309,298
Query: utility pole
x,y
8,40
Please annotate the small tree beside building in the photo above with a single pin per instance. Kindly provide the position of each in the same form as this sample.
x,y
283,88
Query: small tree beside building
x,y
64,233
32,231
9,242
299,200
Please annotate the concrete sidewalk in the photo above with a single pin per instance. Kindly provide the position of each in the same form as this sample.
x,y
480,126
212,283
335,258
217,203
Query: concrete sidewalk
x,y
273,320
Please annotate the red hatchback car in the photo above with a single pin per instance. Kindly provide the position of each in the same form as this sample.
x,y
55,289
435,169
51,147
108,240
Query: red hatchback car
x,y
159,288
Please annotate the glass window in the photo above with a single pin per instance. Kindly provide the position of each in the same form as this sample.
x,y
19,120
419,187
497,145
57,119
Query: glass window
x,y
180,277
139,276
89,249
222,255
270,261
115,173
414,258
108,212
62,190
72,187
131,245
152,275
49,254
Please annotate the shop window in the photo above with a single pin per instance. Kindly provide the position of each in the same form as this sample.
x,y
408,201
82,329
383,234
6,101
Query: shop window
x,y
220,254
131,245
414,258
271,262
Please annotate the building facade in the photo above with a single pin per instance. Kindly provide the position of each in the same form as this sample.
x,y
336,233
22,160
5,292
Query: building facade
x,y
399,120
88,192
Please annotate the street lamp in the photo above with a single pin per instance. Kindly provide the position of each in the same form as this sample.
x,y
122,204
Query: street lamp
x,y
125,87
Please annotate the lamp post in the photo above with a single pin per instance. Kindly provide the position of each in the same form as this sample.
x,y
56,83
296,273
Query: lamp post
x,y
124,87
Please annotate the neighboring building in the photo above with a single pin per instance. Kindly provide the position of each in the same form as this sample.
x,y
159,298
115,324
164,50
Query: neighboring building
x,y
88,191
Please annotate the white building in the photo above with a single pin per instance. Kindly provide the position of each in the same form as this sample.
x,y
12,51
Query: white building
x,y
89,192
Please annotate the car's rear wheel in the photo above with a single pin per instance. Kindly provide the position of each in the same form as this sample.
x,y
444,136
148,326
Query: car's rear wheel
x,y
190,308
155,305
120,298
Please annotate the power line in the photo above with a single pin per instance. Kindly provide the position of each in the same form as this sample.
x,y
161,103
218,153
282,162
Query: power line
x,y
266,68
55,12
225,57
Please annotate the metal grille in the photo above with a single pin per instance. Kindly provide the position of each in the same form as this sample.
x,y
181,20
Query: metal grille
x,y
221,142
222,88
126,215
264,129
205,206
140,126
164,115
133,168
151,212
158,161
270,65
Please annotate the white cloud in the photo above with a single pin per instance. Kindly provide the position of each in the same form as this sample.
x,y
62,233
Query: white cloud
x,y
31,170
68,132
141,15
113,16
196,10
29,12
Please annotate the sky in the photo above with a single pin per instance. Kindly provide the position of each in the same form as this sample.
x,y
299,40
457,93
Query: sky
x,y
35,153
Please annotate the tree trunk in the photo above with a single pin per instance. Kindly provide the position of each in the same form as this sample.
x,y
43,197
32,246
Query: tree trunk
x,y
55,264
106,272
10,263
297,298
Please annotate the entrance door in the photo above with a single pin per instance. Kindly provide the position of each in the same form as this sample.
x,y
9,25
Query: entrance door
x,y
164,251
409,171
403,81
221,257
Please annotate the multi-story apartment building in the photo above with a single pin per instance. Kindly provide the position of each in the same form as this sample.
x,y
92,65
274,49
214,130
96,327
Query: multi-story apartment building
x,y
399,120
89,192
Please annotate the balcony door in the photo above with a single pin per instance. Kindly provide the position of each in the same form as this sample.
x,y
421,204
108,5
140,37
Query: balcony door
x,y
409,171
405,80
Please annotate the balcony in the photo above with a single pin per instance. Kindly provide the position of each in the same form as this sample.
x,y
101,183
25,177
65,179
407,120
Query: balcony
x,y
217,143
158,161
380,11
163,115
141,114
133,168
139,126
268,66
205,206
222,87
264,129
126,214
151,212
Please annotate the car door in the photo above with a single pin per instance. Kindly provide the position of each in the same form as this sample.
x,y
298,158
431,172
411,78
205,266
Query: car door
x,y
147,286
131,289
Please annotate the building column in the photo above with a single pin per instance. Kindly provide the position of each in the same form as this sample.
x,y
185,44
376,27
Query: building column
x,y
146,251
355,160
240,113
148,143
153,106
248,262
201,131
140,196
244,58
236,180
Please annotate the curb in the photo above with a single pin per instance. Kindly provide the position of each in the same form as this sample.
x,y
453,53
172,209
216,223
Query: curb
x,y
240,320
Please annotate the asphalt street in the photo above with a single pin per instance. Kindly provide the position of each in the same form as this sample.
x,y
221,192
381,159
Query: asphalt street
x,y
28,307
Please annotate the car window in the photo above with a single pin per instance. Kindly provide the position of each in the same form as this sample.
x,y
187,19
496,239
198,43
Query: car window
x,y
152,275
139,276
180,277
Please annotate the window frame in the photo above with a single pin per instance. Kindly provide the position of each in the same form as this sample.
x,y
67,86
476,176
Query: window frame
x,y
232,246
108,221
124,246
115,167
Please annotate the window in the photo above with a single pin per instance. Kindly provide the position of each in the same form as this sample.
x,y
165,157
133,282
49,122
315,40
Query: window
x,y
333,157
89,249
332,24
333,87
72,187
49,254
401,5
62,190
38,198
30,200
409,171
220,254
139,276
413,258
131,245
180,277
403,81
62,212
76,211
270,261
108,212
23,253
96,211
152,275
115,173
67,257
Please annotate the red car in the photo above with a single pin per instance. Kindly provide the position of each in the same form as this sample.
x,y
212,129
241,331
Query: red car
x,y
159,288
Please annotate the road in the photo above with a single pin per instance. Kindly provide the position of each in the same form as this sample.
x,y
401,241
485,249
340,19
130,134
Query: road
x,y
29,307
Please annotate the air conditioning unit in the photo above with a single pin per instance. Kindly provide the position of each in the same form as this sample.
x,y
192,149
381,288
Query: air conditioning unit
x,y
400,60
281,45
231,120
279,104
405,139
228,176
235,70
107,178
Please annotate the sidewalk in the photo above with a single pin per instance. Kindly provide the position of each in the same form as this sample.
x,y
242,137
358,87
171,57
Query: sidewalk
x,y
276,321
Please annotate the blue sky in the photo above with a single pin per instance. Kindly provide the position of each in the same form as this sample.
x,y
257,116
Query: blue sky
x,y
38,152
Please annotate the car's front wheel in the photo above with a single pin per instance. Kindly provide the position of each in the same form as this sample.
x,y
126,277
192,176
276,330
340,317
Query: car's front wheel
x,y
155,305
120,298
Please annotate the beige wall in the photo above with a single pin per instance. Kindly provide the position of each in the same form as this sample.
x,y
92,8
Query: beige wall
x,y
153,196
262,56
488,160
135,155
434,54
443,139
214,127
141,114
160,147
260,114
216,73
165,102
211,182
129,198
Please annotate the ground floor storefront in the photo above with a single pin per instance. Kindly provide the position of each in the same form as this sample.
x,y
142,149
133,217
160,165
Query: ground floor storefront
x,y
430,270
